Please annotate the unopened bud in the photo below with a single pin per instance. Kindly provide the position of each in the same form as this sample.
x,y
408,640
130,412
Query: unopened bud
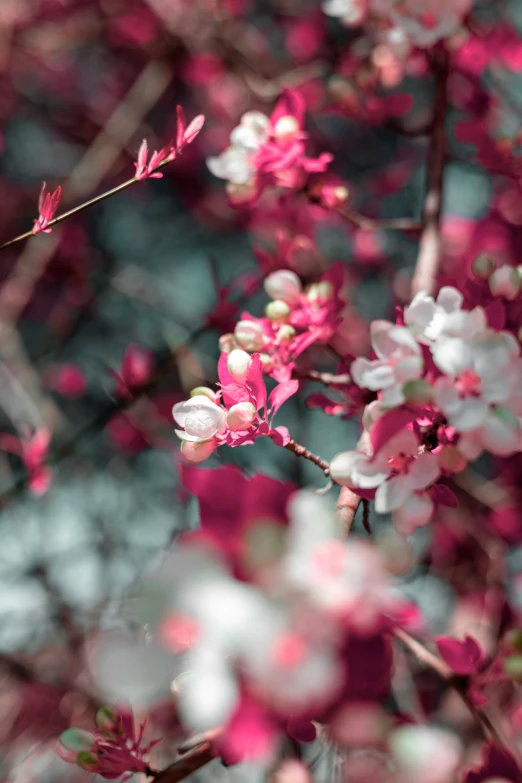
x,y
227,343
88,761
72,742
241,416
266,361
197,452
319,293
249,335
106,718
277,311
205,392
482,266
417,392
284,285
505,282
513,639
286,128
513,667
285,334
238,364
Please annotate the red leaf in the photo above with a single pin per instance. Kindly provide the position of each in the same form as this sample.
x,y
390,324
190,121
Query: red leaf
x,y
193,129
180,126
281,394
280,436
464,657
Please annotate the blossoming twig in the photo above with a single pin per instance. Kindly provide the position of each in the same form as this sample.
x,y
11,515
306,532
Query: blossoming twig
x,y
301,451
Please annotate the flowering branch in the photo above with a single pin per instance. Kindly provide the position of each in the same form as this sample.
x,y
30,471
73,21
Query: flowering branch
x,y
430,248
301,451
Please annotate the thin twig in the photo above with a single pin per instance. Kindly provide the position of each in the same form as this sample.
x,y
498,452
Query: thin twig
x,y
430,248
376,224
187,764
329,379
301,451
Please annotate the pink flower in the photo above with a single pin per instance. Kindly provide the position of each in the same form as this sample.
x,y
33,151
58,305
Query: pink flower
x,y
47,206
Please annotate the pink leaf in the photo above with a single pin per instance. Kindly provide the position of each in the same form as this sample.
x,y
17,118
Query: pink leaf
x,y
180,126
256,383
193,129
281,394
464,657
389,425
280,436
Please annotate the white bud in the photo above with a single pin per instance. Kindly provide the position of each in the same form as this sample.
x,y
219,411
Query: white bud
x,y
277,311
284,285
238,364
319,293
285,334
249,335
286,128
241,416
227,343
505,282
482,266
266,361
205,391
197,452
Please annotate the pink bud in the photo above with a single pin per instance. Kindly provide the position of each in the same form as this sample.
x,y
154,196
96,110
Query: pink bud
x,y
241,416
320,293
284,285
197,452
227,343
505,282
285,334
205,392
238,364
277,311
249,335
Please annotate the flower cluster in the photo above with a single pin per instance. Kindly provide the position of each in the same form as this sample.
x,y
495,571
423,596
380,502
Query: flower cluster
x,y
235,415
267,151
294,320
185,135
449,387
273,650
113,750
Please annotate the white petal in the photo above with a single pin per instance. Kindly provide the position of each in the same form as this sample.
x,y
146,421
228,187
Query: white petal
x,y
423,472
416,511
446,396
408,369
449,299
372,375
391,495
420,312
472,414
452,355
501,433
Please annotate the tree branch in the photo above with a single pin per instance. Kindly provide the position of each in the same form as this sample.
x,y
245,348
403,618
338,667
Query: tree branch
x,y
301,451
430,248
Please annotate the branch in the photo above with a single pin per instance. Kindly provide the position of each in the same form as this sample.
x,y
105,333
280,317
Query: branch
x,y
301,451
187,764
371,224
430,248
329,379
459,684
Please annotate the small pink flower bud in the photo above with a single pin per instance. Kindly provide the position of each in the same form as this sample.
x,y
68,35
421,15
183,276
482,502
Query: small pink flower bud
x,y
483,266
286,128
241,416
320,293
205,391
88,761
267,362
197,452
277,311
285,334
227,343
418,392
249,335
72,742
239,364
505,282
284,285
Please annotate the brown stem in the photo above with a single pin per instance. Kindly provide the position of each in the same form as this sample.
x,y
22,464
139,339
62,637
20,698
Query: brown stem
x,y
459,684
187,764
430,248
329,379
371,224
81,207
301,451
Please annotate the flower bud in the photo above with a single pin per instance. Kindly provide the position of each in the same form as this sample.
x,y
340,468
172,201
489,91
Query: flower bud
x,y
286,128
205,392
284,285
418,392
277,311
72,742
513,667
341,467
88,761
241,416
106,718
227,343
266,361
285,334
249,335
513,639
451,460
319,293
483,266
505,282
239,364
197,452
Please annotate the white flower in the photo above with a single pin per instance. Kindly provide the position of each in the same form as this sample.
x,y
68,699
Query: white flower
x,y
396,471
424,21
425,753
201,419
236,162
399,360
479,374
351,12
284,285
430,320
505,281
